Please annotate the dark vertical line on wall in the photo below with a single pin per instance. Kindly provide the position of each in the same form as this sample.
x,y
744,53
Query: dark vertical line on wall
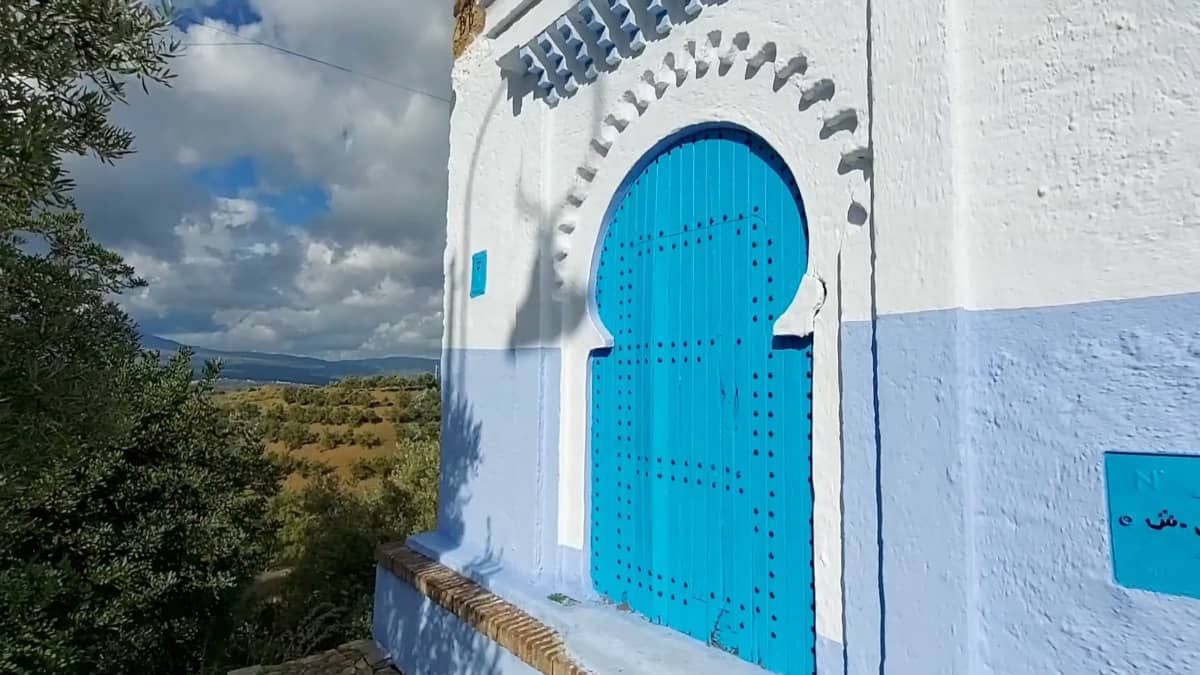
x,y
546,559
875,343
842,492
547,568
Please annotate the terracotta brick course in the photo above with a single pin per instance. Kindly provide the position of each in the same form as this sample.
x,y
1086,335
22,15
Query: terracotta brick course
x,y
529,639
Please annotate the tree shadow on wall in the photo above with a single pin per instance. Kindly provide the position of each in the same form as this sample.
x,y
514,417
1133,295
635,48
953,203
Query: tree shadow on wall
x,y
547,311
461,452
438,642
425,634
422,632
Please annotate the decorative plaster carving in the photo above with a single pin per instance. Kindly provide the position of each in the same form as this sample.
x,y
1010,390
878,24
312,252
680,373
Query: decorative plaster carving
x,y
535,69
694,60
571,47
600,33
576,47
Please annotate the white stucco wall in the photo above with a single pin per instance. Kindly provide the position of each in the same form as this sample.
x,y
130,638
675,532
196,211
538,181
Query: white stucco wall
x,y
1036,153
1021,155
1080,150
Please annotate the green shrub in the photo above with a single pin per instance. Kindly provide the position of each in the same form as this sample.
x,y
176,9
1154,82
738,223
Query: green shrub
x,y
327,539
368,439
124,550
330,440
296,435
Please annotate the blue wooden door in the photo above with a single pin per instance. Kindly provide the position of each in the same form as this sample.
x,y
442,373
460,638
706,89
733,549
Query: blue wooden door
x,y
701,422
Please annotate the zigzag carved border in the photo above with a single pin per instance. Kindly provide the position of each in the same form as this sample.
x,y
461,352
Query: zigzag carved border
x,y
695,60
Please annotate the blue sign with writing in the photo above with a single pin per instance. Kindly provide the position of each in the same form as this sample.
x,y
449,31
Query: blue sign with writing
x,y
478,274
1154,517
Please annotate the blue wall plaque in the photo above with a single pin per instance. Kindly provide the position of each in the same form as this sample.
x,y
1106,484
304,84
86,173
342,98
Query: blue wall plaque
x,y
478,274
1154,518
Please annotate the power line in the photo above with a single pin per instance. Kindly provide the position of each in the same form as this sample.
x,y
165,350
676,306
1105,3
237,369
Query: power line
x,y
290,52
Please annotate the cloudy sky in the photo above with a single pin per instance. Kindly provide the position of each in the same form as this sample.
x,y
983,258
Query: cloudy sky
x,y
276,204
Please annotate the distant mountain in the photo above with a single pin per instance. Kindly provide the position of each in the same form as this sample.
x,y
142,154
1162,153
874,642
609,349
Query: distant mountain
x,y
259,367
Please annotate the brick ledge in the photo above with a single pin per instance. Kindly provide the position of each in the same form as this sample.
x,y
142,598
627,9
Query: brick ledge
x,y
529,639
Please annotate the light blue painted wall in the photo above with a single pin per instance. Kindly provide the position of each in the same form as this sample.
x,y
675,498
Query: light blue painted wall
x,y
992,429
830,656
860,462
422,638
498,495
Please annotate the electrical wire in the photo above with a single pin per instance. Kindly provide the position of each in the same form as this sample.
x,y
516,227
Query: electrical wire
x,y
248,41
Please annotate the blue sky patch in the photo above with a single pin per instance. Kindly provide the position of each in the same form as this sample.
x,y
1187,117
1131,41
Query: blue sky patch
x,y
296,203
234,179
233,12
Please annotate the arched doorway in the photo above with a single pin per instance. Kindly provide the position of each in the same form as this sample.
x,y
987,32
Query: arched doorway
x,y
701,418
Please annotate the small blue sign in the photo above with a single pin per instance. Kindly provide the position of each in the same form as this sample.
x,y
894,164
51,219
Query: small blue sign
x,y
1154,518
478,274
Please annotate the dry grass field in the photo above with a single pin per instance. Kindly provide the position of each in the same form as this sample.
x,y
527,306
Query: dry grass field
x,y
363,455
347,423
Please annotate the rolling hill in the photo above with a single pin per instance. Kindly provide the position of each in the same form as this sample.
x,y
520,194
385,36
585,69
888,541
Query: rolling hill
x,y
260,367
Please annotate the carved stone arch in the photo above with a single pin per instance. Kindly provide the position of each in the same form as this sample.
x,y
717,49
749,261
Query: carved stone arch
x,y
816,101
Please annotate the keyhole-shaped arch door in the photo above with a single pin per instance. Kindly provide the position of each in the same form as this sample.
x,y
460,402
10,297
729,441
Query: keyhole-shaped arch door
x,y
701,419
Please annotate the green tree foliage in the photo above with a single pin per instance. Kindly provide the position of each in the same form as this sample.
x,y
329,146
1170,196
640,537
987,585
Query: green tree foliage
x,y
426,382
133,510
423,405
403,410
65,64
320,588
387,382
246,410
324,414
118,551
330,440
417,414
330,396
327,541
416,432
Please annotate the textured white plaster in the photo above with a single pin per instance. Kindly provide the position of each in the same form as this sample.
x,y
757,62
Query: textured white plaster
x,y
533,189
1035,153
1096,104
800,318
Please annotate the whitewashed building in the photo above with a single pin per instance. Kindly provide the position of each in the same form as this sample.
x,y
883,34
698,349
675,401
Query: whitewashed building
x,y
836,336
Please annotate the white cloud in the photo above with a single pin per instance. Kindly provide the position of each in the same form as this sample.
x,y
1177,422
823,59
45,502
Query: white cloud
x,y
365,278
210,241
329,299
